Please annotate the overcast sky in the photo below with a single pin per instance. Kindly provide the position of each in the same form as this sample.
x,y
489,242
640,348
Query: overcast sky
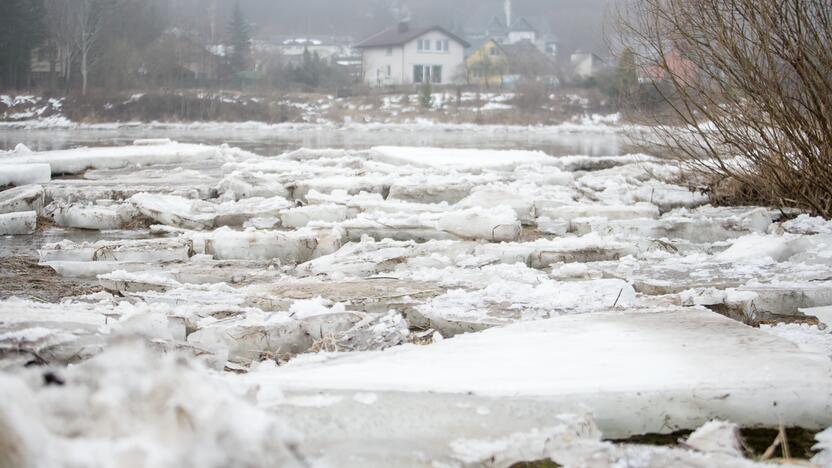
x,y
577,23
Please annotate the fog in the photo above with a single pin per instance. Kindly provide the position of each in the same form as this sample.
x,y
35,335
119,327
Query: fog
x,y
576,23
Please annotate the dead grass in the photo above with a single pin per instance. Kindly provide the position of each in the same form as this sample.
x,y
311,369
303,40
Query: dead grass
x,y
22,277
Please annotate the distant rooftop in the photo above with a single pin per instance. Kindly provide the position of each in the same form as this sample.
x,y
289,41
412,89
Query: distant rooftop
x,y
399,35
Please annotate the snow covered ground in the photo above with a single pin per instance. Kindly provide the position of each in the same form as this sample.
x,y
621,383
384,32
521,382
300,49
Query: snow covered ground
x,y
397,306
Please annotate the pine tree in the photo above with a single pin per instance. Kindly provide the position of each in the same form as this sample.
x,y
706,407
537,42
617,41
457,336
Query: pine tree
x,y
426,95
626,78
240,38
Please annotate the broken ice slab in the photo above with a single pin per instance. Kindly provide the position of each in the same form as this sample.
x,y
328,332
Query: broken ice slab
x,y
598,163
290,247
460,159
254,335
23,222
24,174
784,297
460,311
371,295
613,212
139,250
437,187
692,229
498,224
303,215
26,198
199,270
489,197
369,257
76,161
678,273
636,372
352,184
91,216
186,213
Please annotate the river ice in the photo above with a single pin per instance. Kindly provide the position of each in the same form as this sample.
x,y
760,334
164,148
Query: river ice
x,y
399,306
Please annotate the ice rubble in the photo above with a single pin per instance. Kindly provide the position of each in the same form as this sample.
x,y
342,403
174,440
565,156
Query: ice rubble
x,y
258,258
130,407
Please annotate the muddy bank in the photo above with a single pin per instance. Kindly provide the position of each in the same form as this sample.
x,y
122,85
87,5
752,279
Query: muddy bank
x,y
22,277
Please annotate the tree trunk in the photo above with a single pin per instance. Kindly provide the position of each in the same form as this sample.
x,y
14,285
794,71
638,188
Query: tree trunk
x,y
84,71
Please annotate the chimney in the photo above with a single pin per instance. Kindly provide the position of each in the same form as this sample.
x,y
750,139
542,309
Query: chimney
x,y
508,13
403,26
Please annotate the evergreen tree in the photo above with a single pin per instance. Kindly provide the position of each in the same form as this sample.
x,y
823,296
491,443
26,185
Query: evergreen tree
x,y
311,70
22,30
626,78
240,39
426,95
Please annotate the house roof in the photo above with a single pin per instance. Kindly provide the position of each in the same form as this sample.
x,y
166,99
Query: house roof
x,y
495,27
524,57
523,24
395,36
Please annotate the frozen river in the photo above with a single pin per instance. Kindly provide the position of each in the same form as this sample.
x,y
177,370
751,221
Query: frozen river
x,y
394,296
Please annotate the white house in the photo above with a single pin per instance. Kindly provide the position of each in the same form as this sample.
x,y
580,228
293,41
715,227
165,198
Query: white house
x,y
409,55
586,65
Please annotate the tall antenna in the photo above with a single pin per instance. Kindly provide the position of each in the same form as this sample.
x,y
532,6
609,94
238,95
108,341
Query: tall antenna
x,y
508,13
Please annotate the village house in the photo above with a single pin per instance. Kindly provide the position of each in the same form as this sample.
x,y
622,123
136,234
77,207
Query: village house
x,y
405,55
509,30
586,65
502,65
679,67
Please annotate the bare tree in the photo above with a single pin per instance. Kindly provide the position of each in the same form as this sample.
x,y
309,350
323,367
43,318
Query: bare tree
x,y
87,18
61,36
750,82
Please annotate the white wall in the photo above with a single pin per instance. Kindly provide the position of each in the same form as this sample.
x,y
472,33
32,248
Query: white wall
x,y
374,65
404,58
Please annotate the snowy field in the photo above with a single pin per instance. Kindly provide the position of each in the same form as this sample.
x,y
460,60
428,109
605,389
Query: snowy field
x,y
437,304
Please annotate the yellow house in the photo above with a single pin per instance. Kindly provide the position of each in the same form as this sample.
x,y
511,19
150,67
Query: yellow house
x,y
487,65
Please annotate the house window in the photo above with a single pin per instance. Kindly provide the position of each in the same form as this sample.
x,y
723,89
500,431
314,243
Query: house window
x,y
418,73
389,51
427,44
445,45
493,51
436,74
389,71
439,44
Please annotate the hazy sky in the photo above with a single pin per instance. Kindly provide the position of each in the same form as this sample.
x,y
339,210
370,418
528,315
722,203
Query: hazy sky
x,y
577,23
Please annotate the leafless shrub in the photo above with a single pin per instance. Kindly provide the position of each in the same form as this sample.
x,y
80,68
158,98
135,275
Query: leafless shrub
x,y
750,82
531,94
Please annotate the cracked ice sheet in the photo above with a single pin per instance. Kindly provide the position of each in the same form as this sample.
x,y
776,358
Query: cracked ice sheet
x,y
636,372
460,158
75,161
